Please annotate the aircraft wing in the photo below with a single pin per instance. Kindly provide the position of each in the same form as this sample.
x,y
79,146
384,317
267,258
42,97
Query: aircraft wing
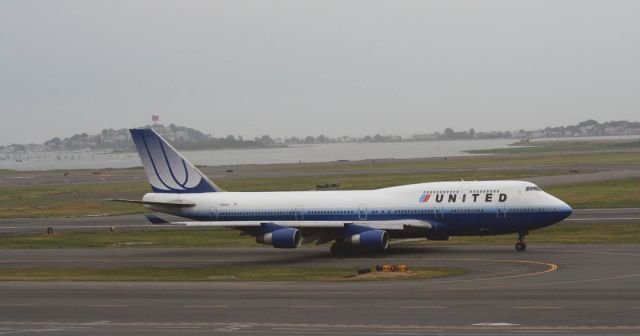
x,y
381,225
171,204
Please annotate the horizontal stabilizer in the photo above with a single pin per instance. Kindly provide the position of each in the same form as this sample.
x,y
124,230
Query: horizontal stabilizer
x,y
171,204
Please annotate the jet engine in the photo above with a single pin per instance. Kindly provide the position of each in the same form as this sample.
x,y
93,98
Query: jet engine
x,y
282,238
372,240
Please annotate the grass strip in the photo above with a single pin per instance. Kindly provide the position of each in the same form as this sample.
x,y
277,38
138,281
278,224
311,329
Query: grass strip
x,y
160,238
558,234
512,159
214,274
619,193
89,199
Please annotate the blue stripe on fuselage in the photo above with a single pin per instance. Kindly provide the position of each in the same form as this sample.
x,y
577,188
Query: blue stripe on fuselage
x,y
482,221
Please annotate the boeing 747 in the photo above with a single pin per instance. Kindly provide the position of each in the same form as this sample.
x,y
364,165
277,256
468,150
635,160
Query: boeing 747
x,y
351,219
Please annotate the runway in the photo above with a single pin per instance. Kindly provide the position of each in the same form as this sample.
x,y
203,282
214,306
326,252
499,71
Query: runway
x,y
548,290
138,222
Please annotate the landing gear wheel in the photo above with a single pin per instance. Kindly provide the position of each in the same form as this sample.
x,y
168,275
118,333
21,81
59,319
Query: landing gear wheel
x,y
334,249
521,245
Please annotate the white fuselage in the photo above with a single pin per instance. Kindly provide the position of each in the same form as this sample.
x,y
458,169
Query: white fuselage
x,y
463,208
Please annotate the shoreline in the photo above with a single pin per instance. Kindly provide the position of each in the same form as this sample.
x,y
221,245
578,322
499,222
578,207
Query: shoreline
x,y
342,162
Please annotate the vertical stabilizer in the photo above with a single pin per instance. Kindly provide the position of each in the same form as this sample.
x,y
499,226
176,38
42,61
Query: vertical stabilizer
x,y
167,170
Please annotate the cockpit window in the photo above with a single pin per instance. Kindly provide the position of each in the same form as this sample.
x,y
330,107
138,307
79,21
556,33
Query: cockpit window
x,y
533,189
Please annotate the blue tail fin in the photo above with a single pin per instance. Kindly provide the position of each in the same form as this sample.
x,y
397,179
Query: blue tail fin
x,y
167,170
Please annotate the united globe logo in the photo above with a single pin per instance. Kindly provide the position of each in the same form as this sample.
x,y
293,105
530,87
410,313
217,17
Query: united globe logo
x,y
424,197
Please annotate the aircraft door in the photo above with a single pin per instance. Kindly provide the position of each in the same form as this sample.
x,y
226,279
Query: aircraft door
x,y
299,212
362,212
501,212
439,213
213,214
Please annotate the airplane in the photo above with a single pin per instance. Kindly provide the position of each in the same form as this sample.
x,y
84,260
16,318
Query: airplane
x,y
351,219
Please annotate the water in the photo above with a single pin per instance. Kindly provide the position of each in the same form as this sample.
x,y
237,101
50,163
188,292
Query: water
x,y
295,154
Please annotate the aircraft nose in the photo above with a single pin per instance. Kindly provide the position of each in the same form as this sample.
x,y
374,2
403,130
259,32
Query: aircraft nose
x,y
564,210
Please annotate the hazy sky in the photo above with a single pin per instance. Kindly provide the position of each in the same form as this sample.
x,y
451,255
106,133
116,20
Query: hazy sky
x,y
315,67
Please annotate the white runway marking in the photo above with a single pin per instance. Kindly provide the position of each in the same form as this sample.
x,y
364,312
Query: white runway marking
x,y
495,324
107,306
420,331
180,327
540,331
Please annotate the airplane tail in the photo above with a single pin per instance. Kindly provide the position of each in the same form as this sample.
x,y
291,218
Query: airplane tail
x,y
167,170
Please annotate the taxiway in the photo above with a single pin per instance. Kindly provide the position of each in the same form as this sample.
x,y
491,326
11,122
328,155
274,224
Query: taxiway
x,y
548,290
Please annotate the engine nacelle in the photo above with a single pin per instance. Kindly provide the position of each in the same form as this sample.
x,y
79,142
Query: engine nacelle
x,y
372,240
282,238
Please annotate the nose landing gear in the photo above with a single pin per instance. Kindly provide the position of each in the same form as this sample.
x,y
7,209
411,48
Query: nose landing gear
x,y
521,245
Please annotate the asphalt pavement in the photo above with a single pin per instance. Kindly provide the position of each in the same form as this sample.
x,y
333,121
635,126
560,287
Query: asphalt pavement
x,y
547,290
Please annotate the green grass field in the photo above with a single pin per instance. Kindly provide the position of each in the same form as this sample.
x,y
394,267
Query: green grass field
x,y
168,238
474,162
68,200
563,234
214,274
621,193
89,199
372,181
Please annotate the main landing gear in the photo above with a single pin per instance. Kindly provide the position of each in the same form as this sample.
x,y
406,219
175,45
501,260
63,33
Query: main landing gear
x,y
521,245
338,250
